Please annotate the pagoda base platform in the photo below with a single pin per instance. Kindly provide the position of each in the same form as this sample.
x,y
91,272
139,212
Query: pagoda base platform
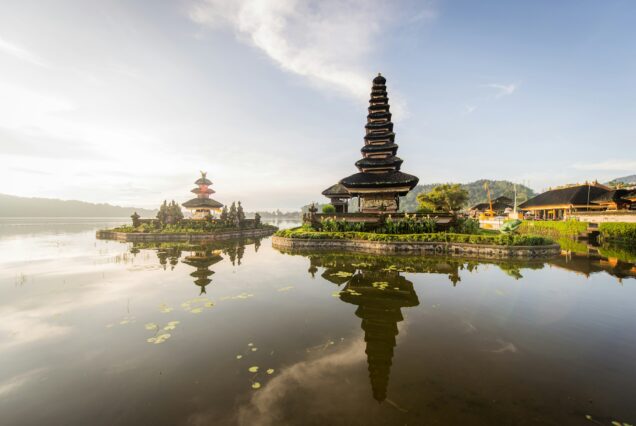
x,y
465,250
158,237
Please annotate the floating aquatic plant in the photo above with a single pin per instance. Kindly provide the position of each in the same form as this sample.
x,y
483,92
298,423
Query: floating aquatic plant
x,y
342,274
270,371
286,288
253,369
239,356
256,385
150,326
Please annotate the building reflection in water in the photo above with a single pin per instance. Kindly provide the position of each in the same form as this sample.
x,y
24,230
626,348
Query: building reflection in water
x,y
380,296
202,259
199,256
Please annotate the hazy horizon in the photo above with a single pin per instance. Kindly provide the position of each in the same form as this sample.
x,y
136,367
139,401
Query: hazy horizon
x,y
124,102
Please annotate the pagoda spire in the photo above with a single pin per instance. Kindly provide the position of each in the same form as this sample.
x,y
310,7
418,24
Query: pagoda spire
x,y
379,183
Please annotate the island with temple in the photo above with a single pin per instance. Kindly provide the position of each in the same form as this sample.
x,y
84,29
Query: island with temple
x,y
365,214
209,220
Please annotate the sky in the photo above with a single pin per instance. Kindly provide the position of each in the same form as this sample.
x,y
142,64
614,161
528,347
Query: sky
x,y
125,101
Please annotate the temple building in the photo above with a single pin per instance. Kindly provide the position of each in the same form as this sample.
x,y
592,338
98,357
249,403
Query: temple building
x,y
339,197
499,206
380,183
618,199
203,206
558,203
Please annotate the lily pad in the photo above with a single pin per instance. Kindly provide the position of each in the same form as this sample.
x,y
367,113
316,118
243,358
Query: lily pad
x,y
239,356
196,310
253,369
151,326
256,385
270,371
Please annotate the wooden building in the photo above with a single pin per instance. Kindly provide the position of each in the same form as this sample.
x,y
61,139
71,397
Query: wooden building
x,y
380,183
203,206
556,203
618,199
339,197
499,206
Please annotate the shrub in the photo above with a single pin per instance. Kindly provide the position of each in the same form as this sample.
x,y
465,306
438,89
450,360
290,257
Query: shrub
x,y
620,231
569,228
465,226
409,225
328,208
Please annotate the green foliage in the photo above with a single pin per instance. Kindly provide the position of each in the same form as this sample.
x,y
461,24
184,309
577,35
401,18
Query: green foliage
x,y
224,214
465,225
443,198
476,193
409,225
240,215
328,208
169,213
556,229
257,220
232,216
487,239
619,231
332,225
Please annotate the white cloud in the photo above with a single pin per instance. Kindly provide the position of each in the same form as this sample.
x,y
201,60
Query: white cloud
x,y
327,42
18,52
469,109
608,165
503,89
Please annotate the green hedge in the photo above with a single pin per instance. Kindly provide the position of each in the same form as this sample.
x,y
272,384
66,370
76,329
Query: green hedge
x,y
500,239
569,228
618,231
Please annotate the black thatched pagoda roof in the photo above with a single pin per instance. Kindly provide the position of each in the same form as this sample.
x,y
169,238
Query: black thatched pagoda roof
x,y
379,166
379,180
203,180
568,196
336,191
202,203
616,195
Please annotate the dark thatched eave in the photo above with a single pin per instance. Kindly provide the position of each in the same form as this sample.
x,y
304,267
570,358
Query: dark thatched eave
x,y
380,163
614,196
379,180
569,196
196,203
336,191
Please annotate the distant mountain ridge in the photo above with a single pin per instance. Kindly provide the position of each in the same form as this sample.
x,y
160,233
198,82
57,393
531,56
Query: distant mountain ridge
x,y
14,206
631,179
476,192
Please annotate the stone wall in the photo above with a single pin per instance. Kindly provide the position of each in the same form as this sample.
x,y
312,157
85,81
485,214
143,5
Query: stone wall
x,y
140,237
604,217
419,247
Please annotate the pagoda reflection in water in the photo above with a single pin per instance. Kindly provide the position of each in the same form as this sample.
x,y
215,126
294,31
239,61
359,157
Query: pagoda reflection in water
x,y
202,259
380,292
201,256
380,296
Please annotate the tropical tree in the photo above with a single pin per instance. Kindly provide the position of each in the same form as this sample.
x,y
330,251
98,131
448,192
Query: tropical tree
x,y
232,216
240,214
443,198
224,214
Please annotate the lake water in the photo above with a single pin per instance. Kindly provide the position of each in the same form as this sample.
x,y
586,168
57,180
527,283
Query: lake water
x,y
103,333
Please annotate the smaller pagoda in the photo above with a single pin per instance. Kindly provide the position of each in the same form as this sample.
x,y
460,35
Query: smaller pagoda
x,y
339,197
203,206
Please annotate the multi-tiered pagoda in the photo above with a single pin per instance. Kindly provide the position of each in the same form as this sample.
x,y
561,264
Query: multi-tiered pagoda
x,y
380,183
203,206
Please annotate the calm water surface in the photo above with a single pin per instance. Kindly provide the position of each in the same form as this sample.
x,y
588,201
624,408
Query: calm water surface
x,y
104,333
